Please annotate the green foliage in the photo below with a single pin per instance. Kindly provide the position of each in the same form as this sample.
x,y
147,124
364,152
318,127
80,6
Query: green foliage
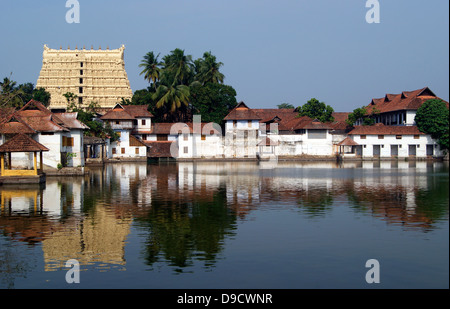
x,y
285,106
213,101
175,80
360,113
432,118
12,95
88,116
316,110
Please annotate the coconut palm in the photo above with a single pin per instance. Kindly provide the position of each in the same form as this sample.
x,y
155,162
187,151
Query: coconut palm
x,y
151,67
208,69
173,98
178,68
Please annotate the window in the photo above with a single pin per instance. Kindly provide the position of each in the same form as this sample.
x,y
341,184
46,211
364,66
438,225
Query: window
x,y
136,151
80,89
143,122
144,137
117,122
398,137
81,72
186,149
67,141
161,137
81,80
185,137
363,137
416,137
249,123
203,137
122,150
80,100
317,134
81,64
380,136
114,151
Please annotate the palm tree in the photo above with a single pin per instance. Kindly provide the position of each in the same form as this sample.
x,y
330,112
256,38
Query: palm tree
x,y
178,67
173,98
10,94
151,67
208,69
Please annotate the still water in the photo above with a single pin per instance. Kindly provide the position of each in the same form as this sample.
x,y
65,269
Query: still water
x,y
237,225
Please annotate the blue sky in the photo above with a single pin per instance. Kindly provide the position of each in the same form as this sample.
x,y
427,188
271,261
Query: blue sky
x,y
273,51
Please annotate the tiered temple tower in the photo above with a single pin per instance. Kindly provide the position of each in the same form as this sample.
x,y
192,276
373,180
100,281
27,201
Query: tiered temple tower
x,y
92,75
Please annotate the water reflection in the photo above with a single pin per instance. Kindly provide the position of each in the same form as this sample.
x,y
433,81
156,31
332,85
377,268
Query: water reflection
x,y
186,211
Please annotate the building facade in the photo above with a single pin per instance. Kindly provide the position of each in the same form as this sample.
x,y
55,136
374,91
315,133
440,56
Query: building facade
x,y
92,75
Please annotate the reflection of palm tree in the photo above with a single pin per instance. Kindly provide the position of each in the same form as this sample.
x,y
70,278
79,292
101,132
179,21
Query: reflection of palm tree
x,y
316,202
183,231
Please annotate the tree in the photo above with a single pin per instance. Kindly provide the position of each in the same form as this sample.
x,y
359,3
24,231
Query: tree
x,y
41,95
361,114
173,100
10,94
213,101
432,118
316,110
207,69
285,106
178,68
151,67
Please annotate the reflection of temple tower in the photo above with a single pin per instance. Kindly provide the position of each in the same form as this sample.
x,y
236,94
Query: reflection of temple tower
x,y
92,75
99,238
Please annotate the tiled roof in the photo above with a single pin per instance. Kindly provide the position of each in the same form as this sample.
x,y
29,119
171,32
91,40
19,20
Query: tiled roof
x,y
242,112
15,125
22,143
35,117
385,130
407,100
127,112
348,142
158,149
69,120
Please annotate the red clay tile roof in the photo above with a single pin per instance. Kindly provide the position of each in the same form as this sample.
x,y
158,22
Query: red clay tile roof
x,y
348,142
407,100
385,130
15,125
43,123
158,149
22,143
127,112
242,112
69,120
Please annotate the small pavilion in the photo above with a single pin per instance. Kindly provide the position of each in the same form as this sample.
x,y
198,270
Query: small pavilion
x,y
347,147
21,143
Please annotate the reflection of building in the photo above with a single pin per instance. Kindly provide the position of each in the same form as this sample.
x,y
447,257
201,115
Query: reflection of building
x,y
97,238
92,75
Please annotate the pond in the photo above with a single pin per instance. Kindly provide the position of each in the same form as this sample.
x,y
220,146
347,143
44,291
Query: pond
x,y
230,225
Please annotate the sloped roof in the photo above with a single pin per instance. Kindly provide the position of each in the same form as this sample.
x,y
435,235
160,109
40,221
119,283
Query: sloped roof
x,y
69,120
22,143
15,125
158,149
348,142
407,100
242,112
385,130
127,112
